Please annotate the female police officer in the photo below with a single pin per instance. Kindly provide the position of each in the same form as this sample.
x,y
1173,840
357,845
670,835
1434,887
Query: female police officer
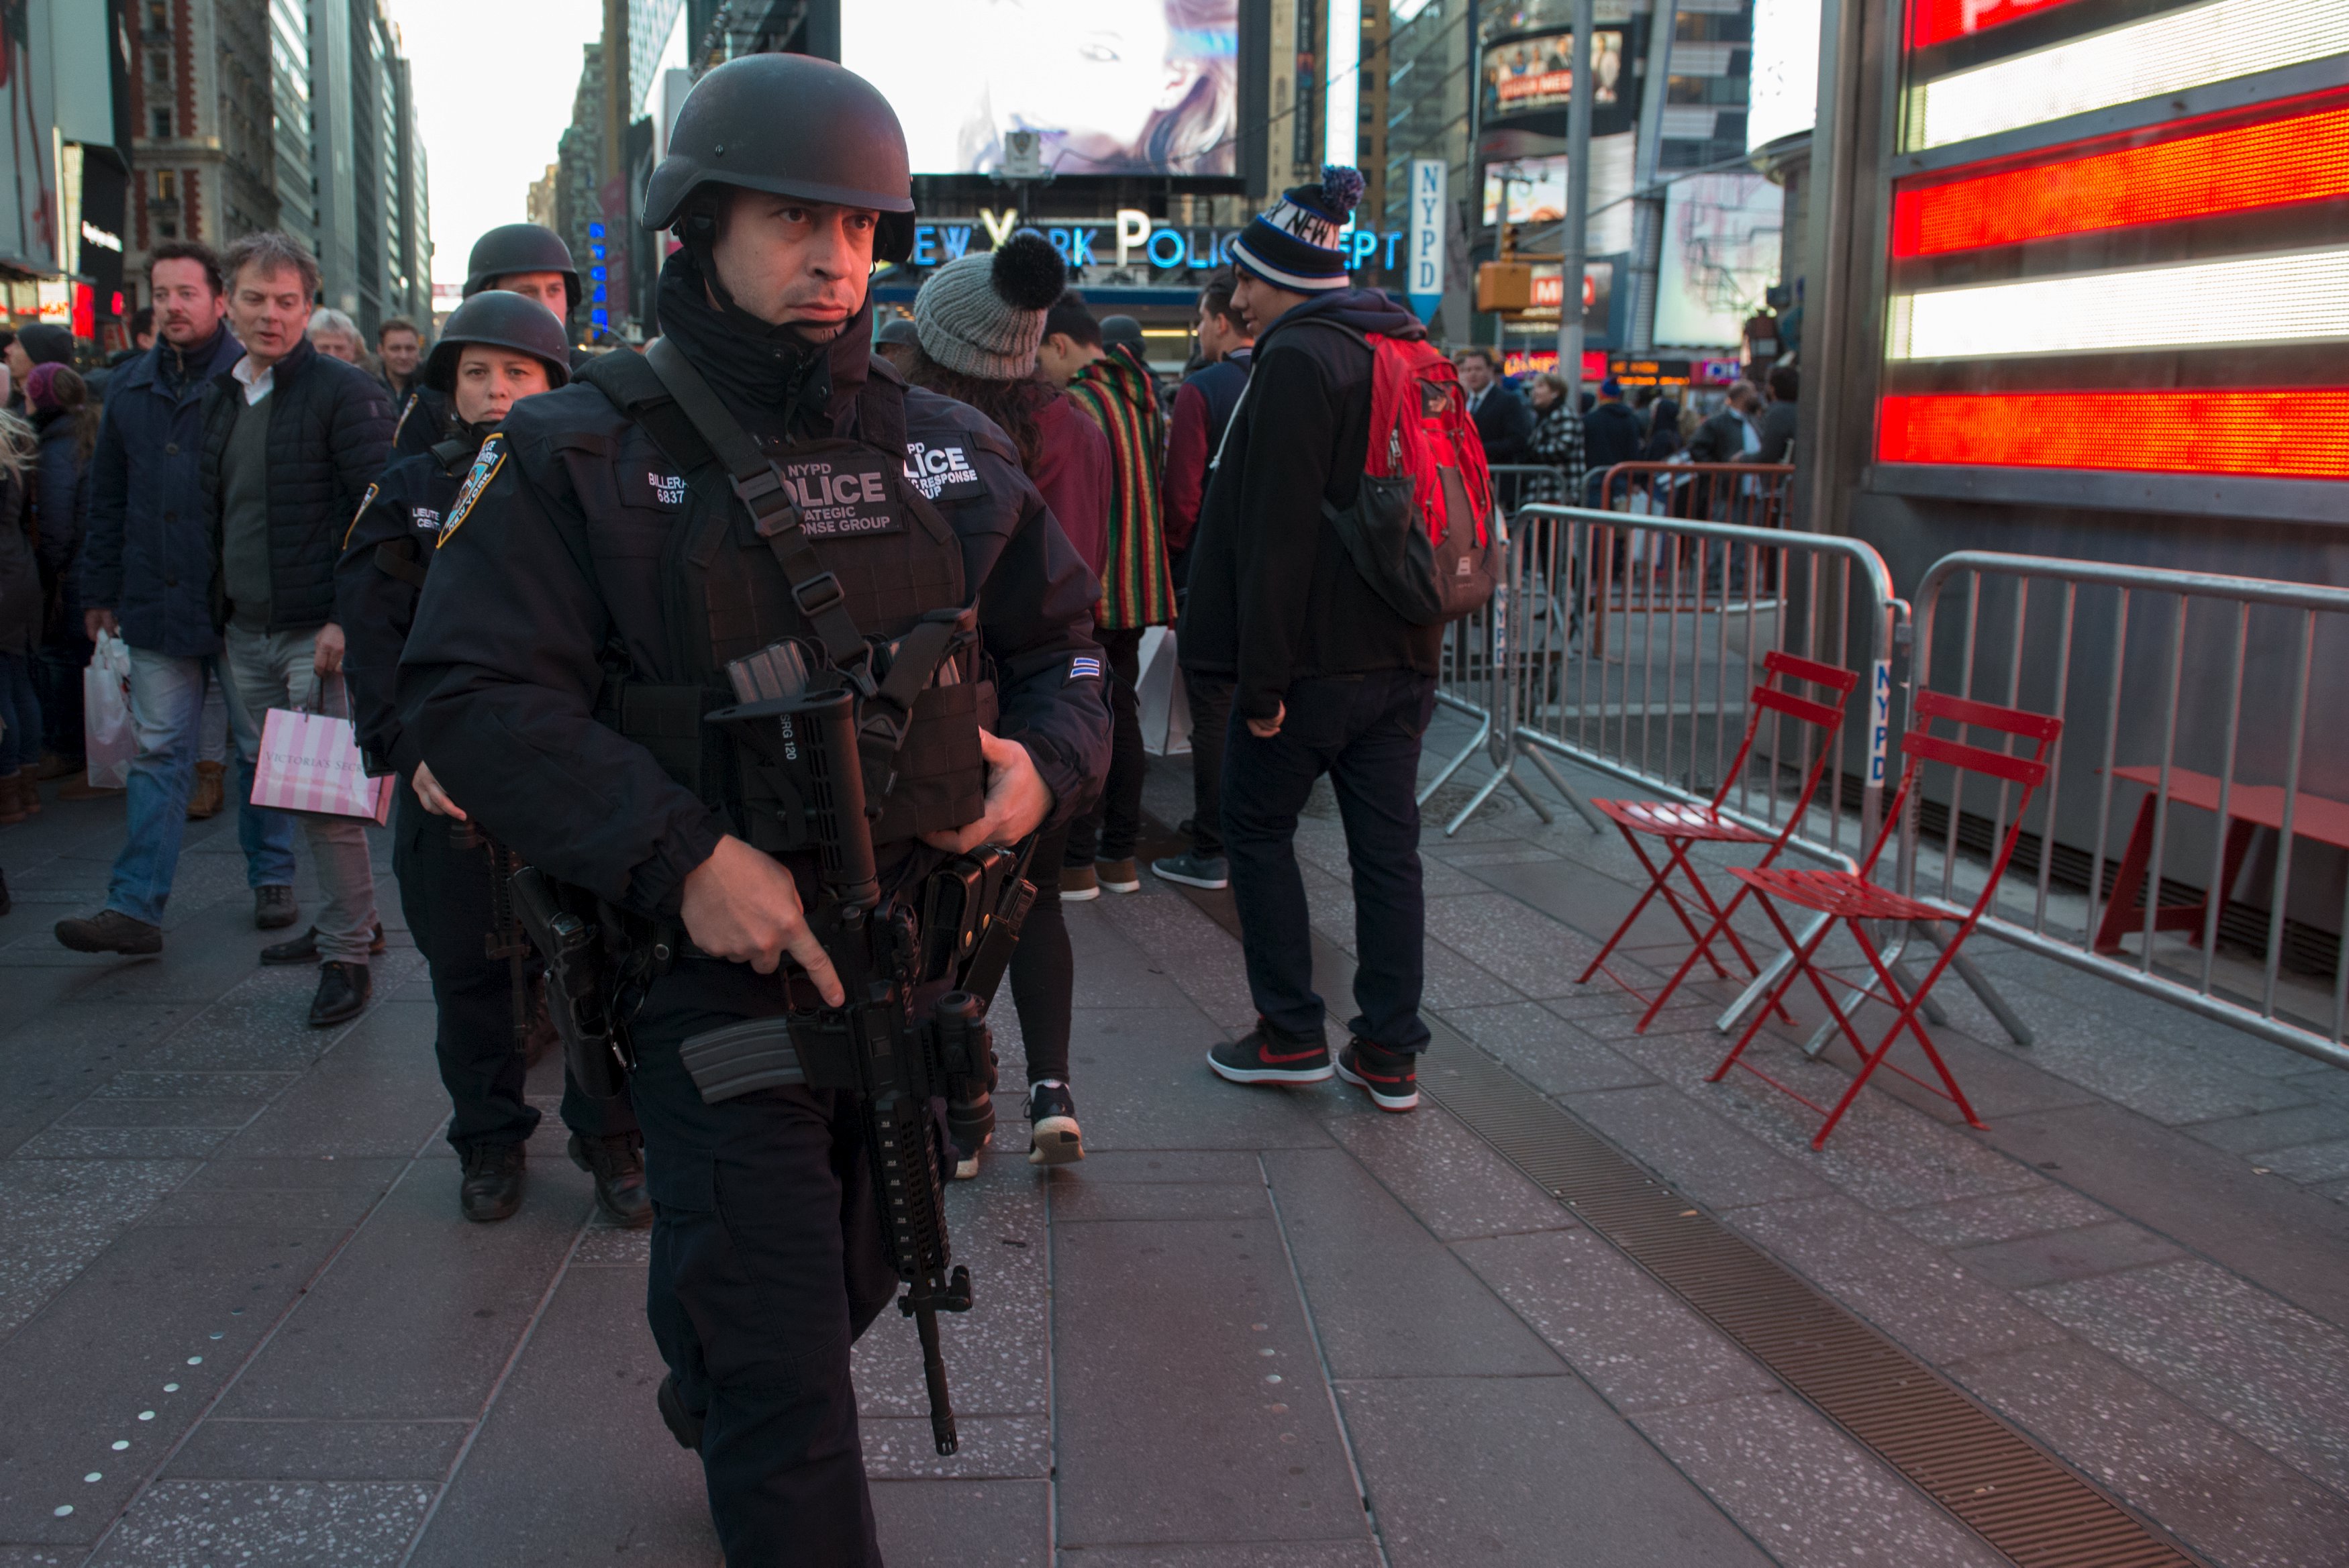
x,y
497,348
593,582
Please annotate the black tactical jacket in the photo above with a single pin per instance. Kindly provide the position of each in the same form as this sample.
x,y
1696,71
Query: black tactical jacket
x,y
386,552
554,575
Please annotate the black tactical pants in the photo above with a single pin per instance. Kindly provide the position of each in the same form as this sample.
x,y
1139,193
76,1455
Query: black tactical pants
x,y
444,889
766,1266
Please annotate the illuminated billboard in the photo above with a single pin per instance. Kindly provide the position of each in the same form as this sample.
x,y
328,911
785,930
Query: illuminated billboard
x,y
1112,87
2057,299
1723,236
1527,81
1534,192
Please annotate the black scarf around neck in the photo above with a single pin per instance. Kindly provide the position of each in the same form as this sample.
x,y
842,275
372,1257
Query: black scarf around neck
x,y
770,376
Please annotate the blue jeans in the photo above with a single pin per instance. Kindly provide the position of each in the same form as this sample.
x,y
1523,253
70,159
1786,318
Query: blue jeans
x,y
20,715
1365,731
167,702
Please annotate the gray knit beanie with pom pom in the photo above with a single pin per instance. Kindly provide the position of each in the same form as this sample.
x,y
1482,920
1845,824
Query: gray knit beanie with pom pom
x,y
982,314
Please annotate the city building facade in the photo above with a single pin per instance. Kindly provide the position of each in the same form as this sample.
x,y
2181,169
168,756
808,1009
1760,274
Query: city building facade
x,y
290,114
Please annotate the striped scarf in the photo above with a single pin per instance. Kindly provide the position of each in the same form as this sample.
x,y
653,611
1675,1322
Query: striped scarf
x,y
1136,588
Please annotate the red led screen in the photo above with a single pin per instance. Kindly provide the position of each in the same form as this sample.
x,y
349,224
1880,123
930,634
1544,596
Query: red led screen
x,y
2288,433
2303,159
1937,21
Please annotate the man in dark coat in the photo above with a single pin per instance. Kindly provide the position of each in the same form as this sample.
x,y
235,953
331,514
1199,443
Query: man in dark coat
x,y
1729,436
1610,435
1778,417
1504,421
1202,407
292,439
145,574
1325,677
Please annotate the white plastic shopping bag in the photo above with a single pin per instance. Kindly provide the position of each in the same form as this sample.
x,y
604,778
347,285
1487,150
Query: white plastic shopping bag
x,y
310,762
107,739
1165,707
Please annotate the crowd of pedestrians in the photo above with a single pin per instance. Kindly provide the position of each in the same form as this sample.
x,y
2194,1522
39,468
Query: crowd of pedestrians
x,y
207,522
248,515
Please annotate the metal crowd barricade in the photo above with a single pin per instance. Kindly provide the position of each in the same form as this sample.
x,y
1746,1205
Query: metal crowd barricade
x,y
2187,745
1475,679
1751,494
1634,642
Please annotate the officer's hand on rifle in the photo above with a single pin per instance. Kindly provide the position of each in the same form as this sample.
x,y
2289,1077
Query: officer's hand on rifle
x,y
739,904
1016,799
431,797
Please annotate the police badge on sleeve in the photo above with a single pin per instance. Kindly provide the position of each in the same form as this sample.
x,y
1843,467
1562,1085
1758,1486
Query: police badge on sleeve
x,y
486,463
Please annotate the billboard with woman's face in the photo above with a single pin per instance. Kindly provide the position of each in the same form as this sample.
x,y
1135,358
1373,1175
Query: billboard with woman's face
x,y
1113,86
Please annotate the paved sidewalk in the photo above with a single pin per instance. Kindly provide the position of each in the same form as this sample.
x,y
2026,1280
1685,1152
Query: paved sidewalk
x,y
1256,1327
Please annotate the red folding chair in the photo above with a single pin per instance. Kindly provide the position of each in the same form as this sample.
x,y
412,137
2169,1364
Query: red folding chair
x,y
1682,825
1851,898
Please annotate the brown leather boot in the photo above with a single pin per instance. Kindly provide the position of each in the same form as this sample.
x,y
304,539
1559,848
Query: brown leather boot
x,y
210,793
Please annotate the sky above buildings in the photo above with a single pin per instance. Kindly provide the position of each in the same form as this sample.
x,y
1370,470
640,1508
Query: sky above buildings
x,y
493,89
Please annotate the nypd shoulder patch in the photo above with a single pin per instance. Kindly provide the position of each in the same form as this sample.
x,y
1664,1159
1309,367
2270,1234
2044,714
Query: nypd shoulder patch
x,y
492,458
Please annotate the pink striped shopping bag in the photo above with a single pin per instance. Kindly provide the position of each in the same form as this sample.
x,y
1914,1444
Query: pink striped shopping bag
x,y
310,762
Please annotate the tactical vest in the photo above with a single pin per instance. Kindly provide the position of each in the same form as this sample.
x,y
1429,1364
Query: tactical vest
x,y
888,562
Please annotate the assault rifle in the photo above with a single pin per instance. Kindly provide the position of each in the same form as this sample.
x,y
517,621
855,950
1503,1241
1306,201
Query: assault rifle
x,y
898,1059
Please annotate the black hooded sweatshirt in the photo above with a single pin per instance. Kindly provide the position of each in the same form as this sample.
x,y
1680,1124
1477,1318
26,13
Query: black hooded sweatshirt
x,y
1274,598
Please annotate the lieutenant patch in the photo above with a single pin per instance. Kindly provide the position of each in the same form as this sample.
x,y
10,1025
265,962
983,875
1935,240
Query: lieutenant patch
x,y
847,500
643,486
942,473
1084,667
490,458
425,517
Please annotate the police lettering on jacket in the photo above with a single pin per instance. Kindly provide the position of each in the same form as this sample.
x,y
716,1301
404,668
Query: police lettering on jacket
x,y
942,473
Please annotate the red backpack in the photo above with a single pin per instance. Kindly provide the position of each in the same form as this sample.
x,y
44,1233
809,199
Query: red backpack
x,y
1421,529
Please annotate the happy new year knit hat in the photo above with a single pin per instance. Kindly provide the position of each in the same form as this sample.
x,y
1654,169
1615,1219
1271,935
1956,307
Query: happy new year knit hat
x,y
982,314
1300,244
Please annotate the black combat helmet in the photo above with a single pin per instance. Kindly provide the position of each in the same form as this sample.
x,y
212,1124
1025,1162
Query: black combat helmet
x,y
512,248
501,320
796,126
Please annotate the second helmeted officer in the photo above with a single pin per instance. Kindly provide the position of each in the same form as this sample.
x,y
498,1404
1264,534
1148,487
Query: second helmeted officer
x,y
621,542
497,348
527,259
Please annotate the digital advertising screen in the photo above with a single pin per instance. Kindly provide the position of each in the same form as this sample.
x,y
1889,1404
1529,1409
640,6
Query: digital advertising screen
x,y
1113,86
1535,74
1721,240
1533,191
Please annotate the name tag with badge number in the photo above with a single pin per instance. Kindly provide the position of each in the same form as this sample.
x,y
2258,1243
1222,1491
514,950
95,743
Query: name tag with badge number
x,y
641,484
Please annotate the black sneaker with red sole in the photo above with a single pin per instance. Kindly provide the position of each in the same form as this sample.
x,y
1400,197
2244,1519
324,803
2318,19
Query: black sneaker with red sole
x,y
1388,1078
1267,1055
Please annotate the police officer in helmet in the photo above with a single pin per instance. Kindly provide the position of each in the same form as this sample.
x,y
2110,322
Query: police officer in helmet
x,y
527,259
497,349
584,605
